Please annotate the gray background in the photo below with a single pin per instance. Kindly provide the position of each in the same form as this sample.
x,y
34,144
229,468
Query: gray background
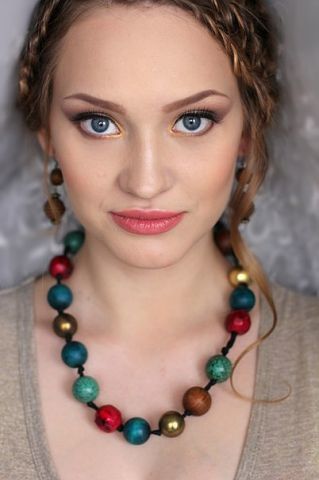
x,y
283,233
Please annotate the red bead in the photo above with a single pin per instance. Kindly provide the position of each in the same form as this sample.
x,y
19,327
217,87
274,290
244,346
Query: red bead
x,y
61,265
238,321
108,418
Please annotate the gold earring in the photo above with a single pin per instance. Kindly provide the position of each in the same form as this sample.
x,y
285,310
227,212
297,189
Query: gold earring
x,y
54,207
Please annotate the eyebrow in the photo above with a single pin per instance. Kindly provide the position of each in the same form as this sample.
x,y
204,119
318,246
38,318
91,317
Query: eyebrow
x,y
107,104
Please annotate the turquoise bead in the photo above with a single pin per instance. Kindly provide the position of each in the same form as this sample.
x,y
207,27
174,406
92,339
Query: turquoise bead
x,y
74,354
85,389
136,430
242,298
74,240
60,297
218,368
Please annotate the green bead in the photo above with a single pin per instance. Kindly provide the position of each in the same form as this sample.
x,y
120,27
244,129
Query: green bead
x,y
218,368
74,240
85,389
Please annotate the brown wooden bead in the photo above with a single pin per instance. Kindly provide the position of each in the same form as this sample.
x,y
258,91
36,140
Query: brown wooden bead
x,y
223,241
56,176
197,400
64,324
56,211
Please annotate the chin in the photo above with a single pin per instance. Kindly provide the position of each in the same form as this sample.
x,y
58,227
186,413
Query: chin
x,y
150,258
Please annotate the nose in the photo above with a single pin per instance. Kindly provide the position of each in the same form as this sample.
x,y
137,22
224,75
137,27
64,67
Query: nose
x,y
145,173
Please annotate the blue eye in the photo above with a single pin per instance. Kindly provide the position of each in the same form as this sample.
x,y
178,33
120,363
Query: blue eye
x,y
193,120
96,124
100,125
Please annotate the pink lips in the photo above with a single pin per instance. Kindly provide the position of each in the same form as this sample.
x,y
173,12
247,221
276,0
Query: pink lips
x,y
147,222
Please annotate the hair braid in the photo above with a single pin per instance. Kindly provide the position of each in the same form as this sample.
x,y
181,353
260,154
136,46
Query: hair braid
x,y
29,59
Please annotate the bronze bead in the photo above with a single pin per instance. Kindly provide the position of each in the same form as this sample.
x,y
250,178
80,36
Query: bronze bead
x,y
172,424
55,210
238,276
197,400
56,176
223,241
64,324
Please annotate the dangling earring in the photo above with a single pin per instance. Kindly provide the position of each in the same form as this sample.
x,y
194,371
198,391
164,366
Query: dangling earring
x,y
240,167
54,207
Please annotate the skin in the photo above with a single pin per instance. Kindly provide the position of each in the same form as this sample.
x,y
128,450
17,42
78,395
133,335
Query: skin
x,y
148,160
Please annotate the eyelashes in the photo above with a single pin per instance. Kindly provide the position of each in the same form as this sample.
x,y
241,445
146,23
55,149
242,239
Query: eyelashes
x,y
96,124
198,114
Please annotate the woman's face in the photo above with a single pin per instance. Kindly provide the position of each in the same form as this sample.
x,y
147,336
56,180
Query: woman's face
x,y
146,153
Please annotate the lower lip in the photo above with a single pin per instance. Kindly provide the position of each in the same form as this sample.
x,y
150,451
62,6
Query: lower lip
x,y
147,227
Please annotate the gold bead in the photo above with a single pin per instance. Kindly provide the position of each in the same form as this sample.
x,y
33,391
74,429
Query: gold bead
x,y
238,276
172,424
64,324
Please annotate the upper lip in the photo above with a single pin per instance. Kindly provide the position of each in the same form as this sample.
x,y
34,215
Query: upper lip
x,y
146,214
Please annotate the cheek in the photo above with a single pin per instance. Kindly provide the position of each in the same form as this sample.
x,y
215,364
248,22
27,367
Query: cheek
x,y
214,179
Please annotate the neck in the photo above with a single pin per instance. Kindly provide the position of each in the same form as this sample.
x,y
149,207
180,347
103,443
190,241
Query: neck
x,y
125,302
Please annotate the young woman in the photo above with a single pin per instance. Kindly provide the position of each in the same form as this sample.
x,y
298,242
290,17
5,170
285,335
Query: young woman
x,y
155,114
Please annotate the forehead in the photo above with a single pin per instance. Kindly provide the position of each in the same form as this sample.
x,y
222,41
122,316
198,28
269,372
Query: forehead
x,y
158,50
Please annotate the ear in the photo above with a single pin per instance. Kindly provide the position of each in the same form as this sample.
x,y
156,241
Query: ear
x,y
44,141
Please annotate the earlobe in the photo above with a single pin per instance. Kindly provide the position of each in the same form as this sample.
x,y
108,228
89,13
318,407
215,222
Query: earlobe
x,y
44,141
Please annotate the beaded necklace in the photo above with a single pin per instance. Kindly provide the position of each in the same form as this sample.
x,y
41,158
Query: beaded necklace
x,y
196,400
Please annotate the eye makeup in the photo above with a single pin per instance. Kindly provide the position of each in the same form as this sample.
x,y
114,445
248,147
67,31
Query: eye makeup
x,y
208,114
198,113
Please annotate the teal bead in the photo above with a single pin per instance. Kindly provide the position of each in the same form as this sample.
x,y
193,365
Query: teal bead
x,y
74,240
60,297
218,368
136,430
242,298
85,389
74,354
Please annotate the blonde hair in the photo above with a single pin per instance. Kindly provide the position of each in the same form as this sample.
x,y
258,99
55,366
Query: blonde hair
x,y
246,30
